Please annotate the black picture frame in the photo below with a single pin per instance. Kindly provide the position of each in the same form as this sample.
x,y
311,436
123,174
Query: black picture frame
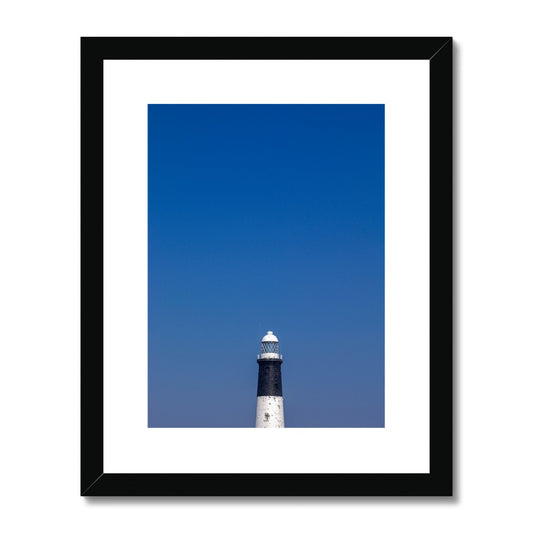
x,y
96,482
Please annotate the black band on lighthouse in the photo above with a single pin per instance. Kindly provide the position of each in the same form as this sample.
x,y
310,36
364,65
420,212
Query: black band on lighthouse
x,y
269,382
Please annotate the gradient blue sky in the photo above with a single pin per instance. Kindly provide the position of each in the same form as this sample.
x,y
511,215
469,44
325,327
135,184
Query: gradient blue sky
x,y
265,217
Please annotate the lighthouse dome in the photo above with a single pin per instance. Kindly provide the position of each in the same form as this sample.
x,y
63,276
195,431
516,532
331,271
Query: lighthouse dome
x,y
269,337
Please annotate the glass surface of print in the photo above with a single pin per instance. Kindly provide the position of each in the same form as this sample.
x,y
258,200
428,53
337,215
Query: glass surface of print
x,y
265,217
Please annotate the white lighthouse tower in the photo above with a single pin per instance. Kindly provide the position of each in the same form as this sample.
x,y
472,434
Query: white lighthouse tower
x,y
269,412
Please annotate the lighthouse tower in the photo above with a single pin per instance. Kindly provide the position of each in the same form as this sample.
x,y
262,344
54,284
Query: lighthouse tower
x,y
269,412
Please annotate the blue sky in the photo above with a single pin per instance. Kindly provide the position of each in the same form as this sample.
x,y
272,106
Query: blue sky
x,y
265,217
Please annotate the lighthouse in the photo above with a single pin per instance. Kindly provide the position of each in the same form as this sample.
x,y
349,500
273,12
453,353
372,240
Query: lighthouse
x,y
269,412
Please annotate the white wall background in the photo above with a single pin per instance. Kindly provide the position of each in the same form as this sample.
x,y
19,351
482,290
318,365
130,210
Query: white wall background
x,y
39,264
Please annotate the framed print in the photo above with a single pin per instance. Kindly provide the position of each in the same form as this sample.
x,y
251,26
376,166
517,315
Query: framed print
x,y
266,255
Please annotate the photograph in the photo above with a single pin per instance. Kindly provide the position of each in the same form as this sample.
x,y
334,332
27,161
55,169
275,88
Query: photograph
x,y
228,217
266,265
257,216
